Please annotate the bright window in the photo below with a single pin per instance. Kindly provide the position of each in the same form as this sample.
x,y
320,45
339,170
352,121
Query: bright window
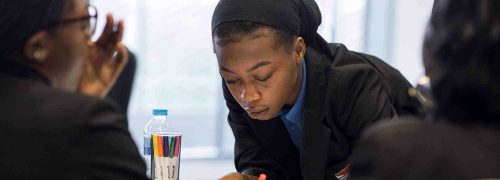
x,y
178,70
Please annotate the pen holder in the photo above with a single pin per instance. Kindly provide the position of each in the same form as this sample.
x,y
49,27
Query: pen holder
x,y
165,158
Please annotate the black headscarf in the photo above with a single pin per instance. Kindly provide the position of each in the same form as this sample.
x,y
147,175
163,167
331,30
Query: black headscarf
x,y
298,17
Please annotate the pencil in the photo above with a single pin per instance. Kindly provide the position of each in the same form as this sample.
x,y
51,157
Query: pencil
x,y
177,146
151,155
161,156
176,156
166,149
172,150
156,159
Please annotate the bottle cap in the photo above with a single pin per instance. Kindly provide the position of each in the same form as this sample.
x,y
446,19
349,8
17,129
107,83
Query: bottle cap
x,y
160,112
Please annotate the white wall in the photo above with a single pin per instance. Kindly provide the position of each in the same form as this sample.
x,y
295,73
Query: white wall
x,y
410,19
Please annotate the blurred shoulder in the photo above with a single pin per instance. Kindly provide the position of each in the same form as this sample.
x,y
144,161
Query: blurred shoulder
x,y
70,107
404,126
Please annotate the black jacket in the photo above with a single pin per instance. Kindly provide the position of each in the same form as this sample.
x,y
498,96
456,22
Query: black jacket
x,y
51,134
345,91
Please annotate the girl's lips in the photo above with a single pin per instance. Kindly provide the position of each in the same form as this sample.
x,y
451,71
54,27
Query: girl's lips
x,y
258,113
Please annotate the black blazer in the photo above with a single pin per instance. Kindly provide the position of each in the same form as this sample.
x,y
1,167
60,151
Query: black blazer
x,y
51,134
345,91
413,149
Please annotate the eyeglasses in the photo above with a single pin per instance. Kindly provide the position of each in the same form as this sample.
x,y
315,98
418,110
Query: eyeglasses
x,y
90,25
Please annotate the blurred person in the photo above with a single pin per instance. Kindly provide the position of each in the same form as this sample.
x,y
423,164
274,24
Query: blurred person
x,y
460,139
55,124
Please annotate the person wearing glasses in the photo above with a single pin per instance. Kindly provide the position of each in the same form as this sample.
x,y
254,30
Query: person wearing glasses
x,y
460,140
53,77
297,104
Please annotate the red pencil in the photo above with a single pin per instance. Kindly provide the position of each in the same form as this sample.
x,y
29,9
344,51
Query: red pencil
x,y
177,146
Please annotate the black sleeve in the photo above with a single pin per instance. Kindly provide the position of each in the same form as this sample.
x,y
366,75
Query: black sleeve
x,y
250,156
105,149
361,99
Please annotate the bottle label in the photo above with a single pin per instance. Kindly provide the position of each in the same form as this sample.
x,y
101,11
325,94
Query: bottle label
x,y
147,146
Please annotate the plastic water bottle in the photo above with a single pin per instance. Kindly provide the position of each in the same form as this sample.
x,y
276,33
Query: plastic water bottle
x,y
158,123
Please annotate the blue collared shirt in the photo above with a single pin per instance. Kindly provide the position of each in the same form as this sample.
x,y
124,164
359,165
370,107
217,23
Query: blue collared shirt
x,y
292,117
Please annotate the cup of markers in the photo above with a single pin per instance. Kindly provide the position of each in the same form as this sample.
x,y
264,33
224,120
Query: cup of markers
x,y
165,158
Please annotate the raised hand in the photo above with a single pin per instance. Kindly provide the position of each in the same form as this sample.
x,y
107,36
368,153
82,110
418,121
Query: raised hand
x,y
107,57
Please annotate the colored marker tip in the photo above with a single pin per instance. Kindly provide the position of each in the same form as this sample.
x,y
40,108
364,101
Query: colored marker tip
x,y
262,177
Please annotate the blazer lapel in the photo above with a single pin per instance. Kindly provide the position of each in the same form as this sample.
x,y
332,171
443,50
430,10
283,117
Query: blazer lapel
x,y
315,138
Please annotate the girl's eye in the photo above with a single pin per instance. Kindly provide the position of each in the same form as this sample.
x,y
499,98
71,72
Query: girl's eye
x,y
263,78
230,81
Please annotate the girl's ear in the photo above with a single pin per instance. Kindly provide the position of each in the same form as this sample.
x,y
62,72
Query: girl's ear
x,y
36,48
299,50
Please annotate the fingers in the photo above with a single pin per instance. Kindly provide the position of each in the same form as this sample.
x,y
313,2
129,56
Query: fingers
x,y
115,69
120,31
107,31
119,62
111,35
115,39
122,55
100,78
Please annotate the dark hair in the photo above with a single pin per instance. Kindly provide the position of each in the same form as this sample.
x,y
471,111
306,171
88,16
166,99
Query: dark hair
x,y
22,19
232,32
465,46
